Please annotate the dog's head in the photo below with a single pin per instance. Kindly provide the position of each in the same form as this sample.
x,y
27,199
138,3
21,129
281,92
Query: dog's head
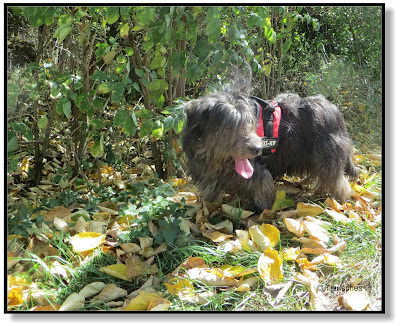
x,y
220,132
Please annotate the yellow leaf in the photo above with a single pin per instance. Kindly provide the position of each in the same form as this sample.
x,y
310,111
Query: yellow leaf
x,y
158,304
270,266
290,253
248,245
259,239
87,241
315,231
14,297
327,259
330,202
271,232
338,217
142,301
216,236
182,285
116,270
294,226
305,264
305,209
237,271
246,284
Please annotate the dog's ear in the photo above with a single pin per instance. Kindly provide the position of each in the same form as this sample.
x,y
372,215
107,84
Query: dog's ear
x,y
197,119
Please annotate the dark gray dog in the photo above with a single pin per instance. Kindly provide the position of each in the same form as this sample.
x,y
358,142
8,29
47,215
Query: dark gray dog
x,y
234,144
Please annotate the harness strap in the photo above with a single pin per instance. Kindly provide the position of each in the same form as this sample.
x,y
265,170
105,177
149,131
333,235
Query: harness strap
x,y
269,117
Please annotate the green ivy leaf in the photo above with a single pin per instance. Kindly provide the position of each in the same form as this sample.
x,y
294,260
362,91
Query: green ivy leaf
x,y
99,76
97,123
213,30
112,15
124,30
97,149
67,109
43,121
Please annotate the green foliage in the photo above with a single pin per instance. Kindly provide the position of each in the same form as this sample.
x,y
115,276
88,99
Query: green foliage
x,y
106,73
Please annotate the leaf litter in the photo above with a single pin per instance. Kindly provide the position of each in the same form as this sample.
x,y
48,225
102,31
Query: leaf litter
x,y
194,280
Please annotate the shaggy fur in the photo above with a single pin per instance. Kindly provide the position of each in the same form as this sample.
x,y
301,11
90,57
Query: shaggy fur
x,y
313,144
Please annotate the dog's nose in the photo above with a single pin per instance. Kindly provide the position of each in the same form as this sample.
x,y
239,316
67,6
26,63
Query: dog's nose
x,y
256,150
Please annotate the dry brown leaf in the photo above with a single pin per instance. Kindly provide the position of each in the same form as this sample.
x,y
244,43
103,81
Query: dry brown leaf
x,y
58,211
234,212
216,236
92,289
74,302
131,248
109,293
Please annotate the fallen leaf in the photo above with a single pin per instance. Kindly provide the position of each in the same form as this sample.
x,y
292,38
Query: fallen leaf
x,y
271,232
237,270
270,266
58,211
294,226
322,224
289,254
109,293
332,203
315,231
85,241
310,243
92,289
181,285
130,248
277,291
261,241
142,301
136,267
354,300
116,270
158,304
74,301
307,209
328,259
338,217
305,264
234,212
281,201
216,236
208,277
246,284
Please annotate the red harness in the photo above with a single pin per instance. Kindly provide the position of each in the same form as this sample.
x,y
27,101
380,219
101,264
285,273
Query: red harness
x,y
270,139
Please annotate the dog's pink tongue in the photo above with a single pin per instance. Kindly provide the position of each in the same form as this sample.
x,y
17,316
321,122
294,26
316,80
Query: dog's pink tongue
x,y
243,167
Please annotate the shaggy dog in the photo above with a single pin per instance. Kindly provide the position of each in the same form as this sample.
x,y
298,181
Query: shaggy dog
x,y
227,154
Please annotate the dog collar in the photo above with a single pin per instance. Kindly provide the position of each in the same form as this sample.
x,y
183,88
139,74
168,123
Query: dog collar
x,y
269,118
